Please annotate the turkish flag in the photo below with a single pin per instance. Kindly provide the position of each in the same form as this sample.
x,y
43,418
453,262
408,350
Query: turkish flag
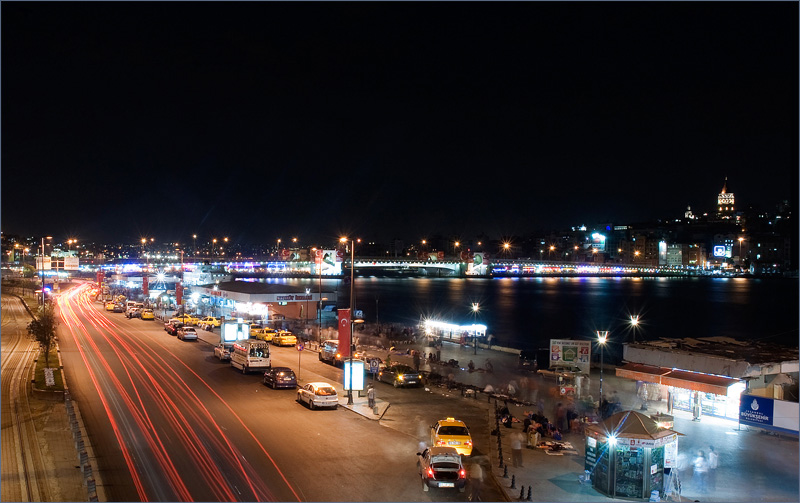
x,y
178,294
145,287
344,332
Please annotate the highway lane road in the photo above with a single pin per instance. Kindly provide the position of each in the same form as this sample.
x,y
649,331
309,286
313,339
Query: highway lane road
x,y
169,422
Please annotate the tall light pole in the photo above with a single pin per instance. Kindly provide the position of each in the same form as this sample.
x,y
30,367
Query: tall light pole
x,y
194,245
308,294
352,314
740,250
475,308
602,337
634,325
42,267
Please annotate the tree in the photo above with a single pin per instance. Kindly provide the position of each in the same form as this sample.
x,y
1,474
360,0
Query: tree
x,y
43,330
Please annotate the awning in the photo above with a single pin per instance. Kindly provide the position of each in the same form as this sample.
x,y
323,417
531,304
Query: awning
x,y
684,379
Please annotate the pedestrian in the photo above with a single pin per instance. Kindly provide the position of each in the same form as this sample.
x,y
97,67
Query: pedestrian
x,y
516,448
561,417
371,397
700,465
416,360
438,354
475,481
713,463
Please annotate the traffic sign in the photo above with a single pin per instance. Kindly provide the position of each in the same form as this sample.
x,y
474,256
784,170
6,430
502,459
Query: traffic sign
x,y
300,346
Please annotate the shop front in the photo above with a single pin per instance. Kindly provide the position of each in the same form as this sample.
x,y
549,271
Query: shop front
x,y
695,392
629,456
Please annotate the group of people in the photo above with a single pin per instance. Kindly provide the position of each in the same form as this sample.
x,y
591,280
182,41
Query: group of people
x,y
705,469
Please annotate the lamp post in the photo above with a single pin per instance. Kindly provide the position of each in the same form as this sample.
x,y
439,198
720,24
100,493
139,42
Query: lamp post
x,y
740,250
42,267
194,245
308,294
475,308
602,337
352,285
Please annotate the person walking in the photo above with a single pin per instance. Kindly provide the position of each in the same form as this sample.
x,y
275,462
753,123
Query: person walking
x,y
371,397
700,465
516,448
475,482
416,360
713,462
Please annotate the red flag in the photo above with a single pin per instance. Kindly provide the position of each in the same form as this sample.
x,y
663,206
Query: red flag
x,y
145,286
344,332
178,294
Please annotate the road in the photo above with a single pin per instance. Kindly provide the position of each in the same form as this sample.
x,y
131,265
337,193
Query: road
x,y
170,422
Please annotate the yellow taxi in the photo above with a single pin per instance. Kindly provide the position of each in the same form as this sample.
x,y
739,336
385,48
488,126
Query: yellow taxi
x,y
451,432
187,319
265,334
209,321
109,306
284,338
147,314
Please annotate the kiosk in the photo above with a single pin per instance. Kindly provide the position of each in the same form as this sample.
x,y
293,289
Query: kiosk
x,y
627,454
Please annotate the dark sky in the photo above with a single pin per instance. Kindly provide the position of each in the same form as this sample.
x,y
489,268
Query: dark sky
x,y
381,120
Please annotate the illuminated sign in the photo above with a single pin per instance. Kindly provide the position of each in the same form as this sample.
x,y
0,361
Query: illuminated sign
x,y
358,374
598,241
722,251
565,351
235,332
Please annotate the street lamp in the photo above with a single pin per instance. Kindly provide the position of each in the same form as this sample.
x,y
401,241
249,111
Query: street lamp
x,y
194,245
308,294
475,308
634,325
740,249
213,246
602,337
352,285
456,244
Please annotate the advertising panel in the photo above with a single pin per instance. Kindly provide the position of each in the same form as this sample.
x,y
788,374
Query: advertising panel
x,y
478,264
71,264
722,251
43,263
358,375
233,331
598,242
569,352
768,413
327,263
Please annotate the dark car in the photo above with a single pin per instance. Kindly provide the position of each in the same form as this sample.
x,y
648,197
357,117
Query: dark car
x,y
280,377
119,308
400,376
441,467
172,327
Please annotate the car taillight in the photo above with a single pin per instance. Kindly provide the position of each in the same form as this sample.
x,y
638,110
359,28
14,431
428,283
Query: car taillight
x,y
440,442
430,472
462,474
468,442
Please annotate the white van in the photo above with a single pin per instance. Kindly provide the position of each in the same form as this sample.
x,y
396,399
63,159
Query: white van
x,y
250,355
329,352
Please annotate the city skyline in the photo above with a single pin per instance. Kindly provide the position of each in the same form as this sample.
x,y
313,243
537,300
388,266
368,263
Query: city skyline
x,y
390,120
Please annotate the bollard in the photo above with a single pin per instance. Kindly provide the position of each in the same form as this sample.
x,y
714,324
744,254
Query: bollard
x,y
80,446
530,498
513,482
505,472
93,496
87,471
91,486
83,457
522,493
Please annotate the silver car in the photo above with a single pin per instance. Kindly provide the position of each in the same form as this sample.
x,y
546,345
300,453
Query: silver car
x,y
318,394
187,333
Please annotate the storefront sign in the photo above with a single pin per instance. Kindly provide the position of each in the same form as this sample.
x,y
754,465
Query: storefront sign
x,y
755,410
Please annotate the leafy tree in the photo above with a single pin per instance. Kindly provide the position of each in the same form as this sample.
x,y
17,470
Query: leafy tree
x,y
43,330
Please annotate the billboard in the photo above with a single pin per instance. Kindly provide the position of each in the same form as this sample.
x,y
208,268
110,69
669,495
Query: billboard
x,y
43,263
769,413
232,331
598,242
358,374
326,263
722,251
71,264
478,265
569,352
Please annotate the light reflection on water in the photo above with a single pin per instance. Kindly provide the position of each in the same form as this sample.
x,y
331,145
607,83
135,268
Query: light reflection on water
x,y
527,312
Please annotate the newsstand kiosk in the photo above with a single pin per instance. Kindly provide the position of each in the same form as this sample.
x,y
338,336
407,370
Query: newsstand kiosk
x,y
626,456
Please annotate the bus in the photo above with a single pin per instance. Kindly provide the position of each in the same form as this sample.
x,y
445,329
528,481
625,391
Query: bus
x,y
250,355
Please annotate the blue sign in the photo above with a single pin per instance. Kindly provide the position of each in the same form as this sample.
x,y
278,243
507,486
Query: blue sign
x,y
756,410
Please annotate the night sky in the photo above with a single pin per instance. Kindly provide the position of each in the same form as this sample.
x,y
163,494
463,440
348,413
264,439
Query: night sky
x,y
258,121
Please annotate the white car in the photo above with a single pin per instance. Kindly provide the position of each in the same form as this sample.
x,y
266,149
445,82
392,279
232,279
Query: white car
x,y
187,333
318,394
223,350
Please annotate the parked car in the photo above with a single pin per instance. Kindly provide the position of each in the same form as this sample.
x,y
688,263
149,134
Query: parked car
x,y
223,350
173,326
451,432
187,319
441,467
133,312
148,314
110,306
280,377
284,338
264,334
318,394
400,376
209,322
187,333
119,308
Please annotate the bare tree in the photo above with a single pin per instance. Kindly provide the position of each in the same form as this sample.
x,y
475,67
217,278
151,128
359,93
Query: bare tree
x,y
43,330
